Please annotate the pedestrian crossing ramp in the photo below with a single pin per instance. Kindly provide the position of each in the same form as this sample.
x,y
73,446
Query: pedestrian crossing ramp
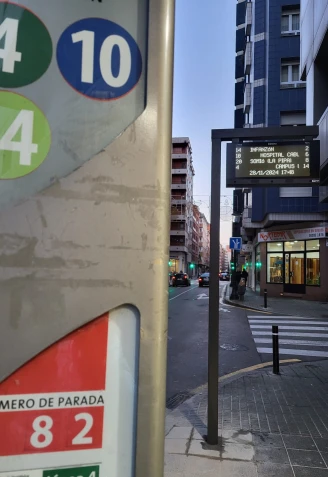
x,y
298,336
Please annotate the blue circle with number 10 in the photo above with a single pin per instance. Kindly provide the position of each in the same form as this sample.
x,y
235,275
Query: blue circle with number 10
x,y
99,59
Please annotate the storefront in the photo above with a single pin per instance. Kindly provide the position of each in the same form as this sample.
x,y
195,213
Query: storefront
x,y
293,262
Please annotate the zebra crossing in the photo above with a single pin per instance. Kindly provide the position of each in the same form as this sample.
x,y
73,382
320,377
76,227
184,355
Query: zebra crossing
x,y
298,336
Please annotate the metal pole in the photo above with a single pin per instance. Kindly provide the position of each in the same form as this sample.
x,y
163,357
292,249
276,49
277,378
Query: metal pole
x,y
265,298
275,349
213,319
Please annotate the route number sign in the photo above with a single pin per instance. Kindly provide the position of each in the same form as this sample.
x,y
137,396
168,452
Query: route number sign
x,y
25,46
99,59
25,136
296,163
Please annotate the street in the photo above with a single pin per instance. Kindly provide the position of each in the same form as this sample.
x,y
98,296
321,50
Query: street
x,y
187,340
245,339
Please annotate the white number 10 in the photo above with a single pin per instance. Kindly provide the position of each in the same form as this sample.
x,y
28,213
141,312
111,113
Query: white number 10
x,y
88,57
9,55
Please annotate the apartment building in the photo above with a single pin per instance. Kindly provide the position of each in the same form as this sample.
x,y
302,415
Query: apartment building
x,y
204,244
284,228
182,209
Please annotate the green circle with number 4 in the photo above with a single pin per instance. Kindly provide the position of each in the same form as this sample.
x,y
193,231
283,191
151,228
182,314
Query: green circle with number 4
x,y
25,136
25,46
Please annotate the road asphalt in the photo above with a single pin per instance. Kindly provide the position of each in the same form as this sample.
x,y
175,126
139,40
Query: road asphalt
x,y
188,337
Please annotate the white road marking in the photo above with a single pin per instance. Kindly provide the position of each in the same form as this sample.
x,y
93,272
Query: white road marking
x,y
286,322
270,317
202,296
290,327
285,333
293,342
295,352
182,293
287,327
225,310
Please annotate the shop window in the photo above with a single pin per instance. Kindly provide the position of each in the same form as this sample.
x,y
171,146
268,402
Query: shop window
x,y
312,245
313,268
275,247
274,268
294,246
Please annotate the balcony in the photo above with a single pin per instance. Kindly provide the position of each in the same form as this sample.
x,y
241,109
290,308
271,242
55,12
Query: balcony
x,y
175,233
247,97
178,248
180,201
182,155
248,22
178,186
248,58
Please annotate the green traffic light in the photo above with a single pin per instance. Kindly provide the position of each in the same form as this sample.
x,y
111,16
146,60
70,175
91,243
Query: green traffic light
x,y
192,265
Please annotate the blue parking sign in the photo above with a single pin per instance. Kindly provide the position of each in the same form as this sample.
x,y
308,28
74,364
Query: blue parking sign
x,y
235,243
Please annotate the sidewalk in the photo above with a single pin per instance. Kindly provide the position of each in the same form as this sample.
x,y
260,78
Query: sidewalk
x,y
269,426
281,306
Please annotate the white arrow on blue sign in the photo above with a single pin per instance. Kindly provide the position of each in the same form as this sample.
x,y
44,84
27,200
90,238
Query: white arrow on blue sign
x,y
235,243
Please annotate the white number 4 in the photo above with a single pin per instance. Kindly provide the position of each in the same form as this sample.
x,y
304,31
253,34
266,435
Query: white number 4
x,y
24,123
8,54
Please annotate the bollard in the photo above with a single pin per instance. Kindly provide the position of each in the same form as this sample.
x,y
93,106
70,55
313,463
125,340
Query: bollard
x,y
265,298
275,349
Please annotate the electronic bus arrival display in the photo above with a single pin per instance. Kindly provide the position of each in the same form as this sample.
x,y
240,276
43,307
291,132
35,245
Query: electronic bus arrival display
x,y
275,164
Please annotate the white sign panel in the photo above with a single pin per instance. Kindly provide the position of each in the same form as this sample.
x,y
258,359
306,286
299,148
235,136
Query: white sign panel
x,y
71,411
290,235
72,78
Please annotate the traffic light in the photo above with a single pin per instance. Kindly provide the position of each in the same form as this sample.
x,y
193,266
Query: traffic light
x,y
170,263
232,265
258,264
192,265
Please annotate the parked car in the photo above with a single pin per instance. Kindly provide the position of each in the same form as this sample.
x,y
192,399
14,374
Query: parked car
x,y
204,280
224,276
180,279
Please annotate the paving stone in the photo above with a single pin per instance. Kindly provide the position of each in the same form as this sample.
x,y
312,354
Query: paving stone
x,y
234,451
196,448
322,444
275,455
299,442
306,458
190,466
267,440
274,470
310,472
179,433
176,446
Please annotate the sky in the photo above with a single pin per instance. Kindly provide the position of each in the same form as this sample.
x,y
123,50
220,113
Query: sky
x,y
204,86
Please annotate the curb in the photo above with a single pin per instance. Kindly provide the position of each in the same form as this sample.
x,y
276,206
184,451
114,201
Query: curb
x,y
227,301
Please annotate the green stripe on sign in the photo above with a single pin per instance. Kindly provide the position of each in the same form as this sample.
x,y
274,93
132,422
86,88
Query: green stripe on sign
x,y
91,471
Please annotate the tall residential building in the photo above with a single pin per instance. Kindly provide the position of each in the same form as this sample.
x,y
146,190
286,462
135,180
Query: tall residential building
x,y
285,226
204,244
224,259
182,212
195,240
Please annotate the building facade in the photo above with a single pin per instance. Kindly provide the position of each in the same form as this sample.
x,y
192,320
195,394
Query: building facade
x,y
182,210
283,229
204,244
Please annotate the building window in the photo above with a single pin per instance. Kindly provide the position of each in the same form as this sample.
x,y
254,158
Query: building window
x,y
290,22
290,72
292,118
295,192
